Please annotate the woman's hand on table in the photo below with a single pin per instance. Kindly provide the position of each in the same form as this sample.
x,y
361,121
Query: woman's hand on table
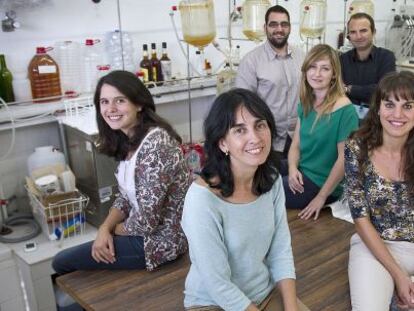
x,y
103,246
313,208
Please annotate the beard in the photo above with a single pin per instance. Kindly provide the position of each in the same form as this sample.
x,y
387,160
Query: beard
x,y
278,43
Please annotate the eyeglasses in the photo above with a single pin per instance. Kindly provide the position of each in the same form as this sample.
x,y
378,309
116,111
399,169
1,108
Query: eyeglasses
x,y
277,24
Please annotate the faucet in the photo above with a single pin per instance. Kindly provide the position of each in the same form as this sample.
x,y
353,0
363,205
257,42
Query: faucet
x,y
9,23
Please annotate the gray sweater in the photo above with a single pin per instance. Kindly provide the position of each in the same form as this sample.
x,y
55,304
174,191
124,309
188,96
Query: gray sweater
x,y
238,252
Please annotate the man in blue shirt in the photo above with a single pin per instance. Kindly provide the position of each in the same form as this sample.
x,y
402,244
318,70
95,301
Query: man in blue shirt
x,y
365,65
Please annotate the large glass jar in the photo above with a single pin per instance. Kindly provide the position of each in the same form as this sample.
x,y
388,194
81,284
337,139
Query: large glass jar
x,y
254,12
361,6
312,18
198,22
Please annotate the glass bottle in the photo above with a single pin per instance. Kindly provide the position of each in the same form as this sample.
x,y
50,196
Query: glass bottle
x,y
6,79
165,63
146,64
226,79
361,6
198,22
254,12
199,65
312,18
44,75
155,64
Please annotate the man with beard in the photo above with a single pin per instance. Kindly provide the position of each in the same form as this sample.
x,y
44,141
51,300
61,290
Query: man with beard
x,y
365,65
272,70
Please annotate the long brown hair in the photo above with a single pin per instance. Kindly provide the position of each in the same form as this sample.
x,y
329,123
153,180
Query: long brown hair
x,y
115,143
336,89
370,136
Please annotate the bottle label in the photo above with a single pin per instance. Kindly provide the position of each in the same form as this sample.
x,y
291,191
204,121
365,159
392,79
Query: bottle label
x,y
145,71
154,73
166,69
47,69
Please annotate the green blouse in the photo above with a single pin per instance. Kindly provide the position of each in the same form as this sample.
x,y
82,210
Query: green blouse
x,y
318,142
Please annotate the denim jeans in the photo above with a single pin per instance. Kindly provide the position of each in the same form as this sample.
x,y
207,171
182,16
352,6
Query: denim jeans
x,y
300,200
129,254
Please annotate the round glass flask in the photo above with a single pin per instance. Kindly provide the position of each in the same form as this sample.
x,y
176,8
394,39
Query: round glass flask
x,y
361,6
198,22
254,12
312,18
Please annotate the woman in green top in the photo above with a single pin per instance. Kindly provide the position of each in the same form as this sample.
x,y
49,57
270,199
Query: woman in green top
x,y
326,117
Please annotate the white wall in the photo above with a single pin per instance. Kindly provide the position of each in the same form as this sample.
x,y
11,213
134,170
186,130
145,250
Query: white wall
x,y
148,21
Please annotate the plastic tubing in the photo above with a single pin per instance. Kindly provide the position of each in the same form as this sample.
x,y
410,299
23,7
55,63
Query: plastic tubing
x,y
21,220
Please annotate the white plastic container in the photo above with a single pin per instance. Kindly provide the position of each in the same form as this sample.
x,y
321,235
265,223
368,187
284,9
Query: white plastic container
x,y
21,86
92,59
68,55
48,184
121,55
44,156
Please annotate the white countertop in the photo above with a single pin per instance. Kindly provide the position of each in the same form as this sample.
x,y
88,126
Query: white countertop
x,y
28,113
45,249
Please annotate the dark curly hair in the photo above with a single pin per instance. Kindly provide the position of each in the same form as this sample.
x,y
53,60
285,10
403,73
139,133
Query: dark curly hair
x,y
221,118
115,143
369,136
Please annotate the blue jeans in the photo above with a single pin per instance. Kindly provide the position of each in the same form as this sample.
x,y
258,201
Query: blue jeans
x,y
300,200
129,254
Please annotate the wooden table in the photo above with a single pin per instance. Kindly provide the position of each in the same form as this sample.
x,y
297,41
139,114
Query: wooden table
x,y
321,258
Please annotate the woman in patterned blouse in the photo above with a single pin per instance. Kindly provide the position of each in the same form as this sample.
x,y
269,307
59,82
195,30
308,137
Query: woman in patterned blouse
x,y
379,170
142,229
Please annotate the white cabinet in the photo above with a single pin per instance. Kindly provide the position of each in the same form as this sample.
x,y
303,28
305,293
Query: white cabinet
x,y
35,273
11,297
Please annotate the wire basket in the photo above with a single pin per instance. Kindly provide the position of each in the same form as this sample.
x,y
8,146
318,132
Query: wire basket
x,y
61,216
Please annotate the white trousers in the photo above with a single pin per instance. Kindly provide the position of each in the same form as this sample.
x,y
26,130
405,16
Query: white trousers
x,y
372,287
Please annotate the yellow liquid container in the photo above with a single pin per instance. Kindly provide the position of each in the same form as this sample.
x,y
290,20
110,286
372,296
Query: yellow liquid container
x,y
254,18
198,22
312,18
361,6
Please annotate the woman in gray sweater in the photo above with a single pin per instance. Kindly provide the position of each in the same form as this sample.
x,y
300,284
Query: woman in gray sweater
x,y
234,215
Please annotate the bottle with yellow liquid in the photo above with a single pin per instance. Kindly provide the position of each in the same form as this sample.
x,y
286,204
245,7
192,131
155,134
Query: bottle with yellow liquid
x,y
254,12
312,18
361,6
198,22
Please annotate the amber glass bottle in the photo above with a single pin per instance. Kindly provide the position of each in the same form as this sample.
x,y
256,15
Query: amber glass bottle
x,y
6,78
146,64
44,76
155,65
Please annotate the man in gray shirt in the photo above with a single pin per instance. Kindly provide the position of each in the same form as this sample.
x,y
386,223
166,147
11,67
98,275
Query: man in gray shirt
x,y
272,70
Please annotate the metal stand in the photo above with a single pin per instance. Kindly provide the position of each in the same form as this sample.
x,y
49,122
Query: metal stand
x,y
189,94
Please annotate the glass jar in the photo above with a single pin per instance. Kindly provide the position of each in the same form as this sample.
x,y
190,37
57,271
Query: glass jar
x,y
312,18
254,12
361,6
198,22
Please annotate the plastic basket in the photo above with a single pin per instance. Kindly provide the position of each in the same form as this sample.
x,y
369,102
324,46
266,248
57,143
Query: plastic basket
x,y
61,216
